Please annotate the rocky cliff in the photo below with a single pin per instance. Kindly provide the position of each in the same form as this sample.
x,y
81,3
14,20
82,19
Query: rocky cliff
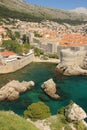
x,y
75,112
70,117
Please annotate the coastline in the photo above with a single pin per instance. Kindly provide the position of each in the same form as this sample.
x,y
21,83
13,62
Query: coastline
x,y
15,65
50,60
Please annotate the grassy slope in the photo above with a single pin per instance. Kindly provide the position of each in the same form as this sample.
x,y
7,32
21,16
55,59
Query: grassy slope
x,y
10,121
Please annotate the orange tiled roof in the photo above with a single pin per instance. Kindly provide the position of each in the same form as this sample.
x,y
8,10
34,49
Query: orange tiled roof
x,y
74,40
7,53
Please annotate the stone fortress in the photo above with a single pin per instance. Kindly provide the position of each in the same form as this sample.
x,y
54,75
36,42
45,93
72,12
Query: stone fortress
x,y
73,61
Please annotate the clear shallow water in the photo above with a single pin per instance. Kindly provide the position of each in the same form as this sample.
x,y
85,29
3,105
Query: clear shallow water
x,y
70,88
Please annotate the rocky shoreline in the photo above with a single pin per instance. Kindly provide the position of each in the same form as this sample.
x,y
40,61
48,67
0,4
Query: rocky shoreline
x,y
73,113
11,91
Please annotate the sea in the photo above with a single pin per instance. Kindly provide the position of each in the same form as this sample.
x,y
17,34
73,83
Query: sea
x,y
68,87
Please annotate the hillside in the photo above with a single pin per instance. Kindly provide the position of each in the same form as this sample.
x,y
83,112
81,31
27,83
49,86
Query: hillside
x,y
80,10
70,117
14,8
11,121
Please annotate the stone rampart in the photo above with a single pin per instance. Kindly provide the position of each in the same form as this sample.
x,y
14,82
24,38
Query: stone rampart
x,y
73,61
17,64
72,57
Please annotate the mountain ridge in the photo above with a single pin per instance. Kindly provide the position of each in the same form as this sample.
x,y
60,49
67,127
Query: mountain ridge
x,y
42,12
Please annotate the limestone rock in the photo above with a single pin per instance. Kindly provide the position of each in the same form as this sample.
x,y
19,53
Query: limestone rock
x,y
12,89
2,96
28,85
75,112
13,96
49,88
20,87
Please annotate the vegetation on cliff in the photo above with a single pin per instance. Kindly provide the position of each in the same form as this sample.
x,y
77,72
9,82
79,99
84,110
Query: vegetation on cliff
x,y
11,121
37,111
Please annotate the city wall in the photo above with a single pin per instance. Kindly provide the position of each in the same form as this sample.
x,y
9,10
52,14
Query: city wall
x,y
16,65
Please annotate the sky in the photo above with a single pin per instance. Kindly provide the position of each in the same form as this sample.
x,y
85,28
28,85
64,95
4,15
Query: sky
x,y
60,4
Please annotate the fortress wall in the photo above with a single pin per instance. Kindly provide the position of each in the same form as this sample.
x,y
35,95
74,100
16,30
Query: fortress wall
x,y
16,65
72,57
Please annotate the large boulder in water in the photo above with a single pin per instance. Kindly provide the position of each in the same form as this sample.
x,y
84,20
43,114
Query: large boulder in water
x,y
49,88
12,89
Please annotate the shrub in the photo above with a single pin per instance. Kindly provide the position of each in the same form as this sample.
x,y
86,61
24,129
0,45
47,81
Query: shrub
x,y
37,111
17,35
59,122
10,34
53,56
67,127
37,52
61,111
79,125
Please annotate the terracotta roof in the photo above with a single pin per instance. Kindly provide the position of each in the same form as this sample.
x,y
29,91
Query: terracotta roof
x,y
74,40
7,53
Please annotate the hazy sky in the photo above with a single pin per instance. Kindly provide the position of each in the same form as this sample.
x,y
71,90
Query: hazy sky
x,y
61,4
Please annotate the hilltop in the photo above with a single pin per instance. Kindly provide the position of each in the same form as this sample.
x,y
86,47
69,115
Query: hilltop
x,y
80,10
30,12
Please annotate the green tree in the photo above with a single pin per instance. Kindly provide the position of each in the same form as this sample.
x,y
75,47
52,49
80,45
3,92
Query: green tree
x,y
10,34
37,52
17,35
37,111
12,45
26,47
25,39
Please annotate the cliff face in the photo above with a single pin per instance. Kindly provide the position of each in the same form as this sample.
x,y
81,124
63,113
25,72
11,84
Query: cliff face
x,y
72,61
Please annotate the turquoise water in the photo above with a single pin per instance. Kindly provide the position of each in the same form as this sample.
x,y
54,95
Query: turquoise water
x,y
69,88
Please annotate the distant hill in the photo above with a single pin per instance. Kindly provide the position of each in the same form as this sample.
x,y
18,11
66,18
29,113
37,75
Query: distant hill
x,y
80,10
30,12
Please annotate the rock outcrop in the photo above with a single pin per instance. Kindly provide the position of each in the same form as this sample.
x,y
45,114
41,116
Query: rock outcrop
x,y
49,88
72,62
75,113
12,89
